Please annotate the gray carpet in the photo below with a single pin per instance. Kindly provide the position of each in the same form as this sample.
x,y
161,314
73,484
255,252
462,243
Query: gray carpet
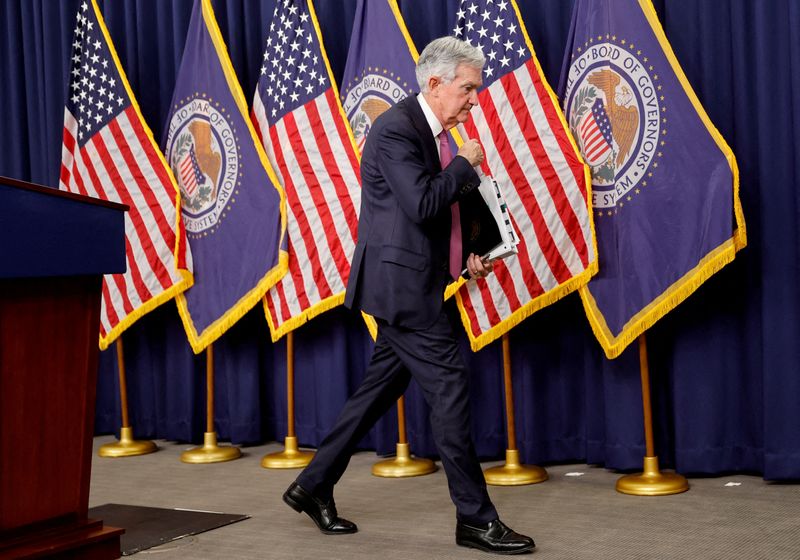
x,y
570,517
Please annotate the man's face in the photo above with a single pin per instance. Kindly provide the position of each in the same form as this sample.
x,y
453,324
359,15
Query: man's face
x,y
452,102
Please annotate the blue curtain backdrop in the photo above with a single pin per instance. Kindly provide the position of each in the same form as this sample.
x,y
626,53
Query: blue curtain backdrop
x,y
725,365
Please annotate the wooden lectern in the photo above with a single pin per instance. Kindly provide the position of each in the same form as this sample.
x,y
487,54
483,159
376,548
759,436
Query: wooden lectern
x,y
54,249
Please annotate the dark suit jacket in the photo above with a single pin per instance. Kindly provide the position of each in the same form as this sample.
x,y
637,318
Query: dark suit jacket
x,y
400,265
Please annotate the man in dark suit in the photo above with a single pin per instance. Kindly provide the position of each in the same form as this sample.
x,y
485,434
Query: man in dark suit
x,y
408,250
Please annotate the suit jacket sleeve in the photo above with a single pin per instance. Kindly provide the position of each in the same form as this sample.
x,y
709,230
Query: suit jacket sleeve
x,y
421,195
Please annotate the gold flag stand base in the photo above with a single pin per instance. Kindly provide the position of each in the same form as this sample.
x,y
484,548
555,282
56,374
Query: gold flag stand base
x,y
513,473
403,465
210,452
290,458
652,482
126,446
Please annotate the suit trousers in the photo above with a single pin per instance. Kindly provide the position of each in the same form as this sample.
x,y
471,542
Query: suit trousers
x,y
432,357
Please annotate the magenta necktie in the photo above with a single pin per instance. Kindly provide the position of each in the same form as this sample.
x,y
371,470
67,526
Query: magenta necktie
x,y
446,156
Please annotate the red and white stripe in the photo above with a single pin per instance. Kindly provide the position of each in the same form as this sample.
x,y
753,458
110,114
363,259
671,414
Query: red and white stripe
x,y
120,164
529,154
594,143
311,152
188,176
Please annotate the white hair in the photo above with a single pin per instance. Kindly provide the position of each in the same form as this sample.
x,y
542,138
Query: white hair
x,y
442,57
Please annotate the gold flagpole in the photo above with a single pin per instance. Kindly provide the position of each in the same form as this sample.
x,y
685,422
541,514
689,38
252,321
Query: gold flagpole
x,y
513,473
210,452
291,457
126,446
651,482
403,464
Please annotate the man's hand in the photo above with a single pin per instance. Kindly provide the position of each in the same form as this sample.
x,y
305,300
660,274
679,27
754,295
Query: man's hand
x,y
477,267
471,150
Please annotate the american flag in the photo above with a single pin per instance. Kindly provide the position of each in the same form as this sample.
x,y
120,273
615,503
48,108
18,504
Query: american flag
x,y
595,134
108,153
302,125
531,155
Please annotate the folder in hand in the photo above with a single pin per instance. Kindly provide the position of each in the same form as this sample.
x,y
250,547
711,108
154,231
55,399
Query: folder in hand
x,y
486,227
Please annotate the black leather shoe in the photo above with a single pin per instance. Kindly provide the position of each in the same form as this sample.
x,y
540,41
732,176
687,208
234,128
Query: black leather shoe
x,y
323,513
496,538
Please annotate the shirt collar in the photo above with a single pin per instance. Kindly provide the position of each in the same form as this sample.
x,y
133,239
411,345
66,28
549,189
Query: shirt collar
x,y
433,122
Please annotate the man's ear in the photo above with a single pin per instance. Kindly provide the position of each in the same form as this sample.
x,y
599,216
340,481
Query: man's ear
x,y
433,83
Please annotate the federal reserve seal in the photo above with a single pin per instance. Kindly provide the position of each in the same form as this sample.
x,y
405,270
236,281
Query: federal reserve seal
x,y
613,109
203,154
372,94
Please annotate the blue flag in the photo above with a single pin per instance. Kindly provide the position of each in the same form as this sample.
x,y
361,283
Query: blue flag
x,y
379,72
380,65
664,182
232,207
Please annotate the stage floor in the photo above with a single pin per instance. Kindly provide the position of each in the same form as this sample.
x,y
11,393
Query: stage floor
x,y
576,515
